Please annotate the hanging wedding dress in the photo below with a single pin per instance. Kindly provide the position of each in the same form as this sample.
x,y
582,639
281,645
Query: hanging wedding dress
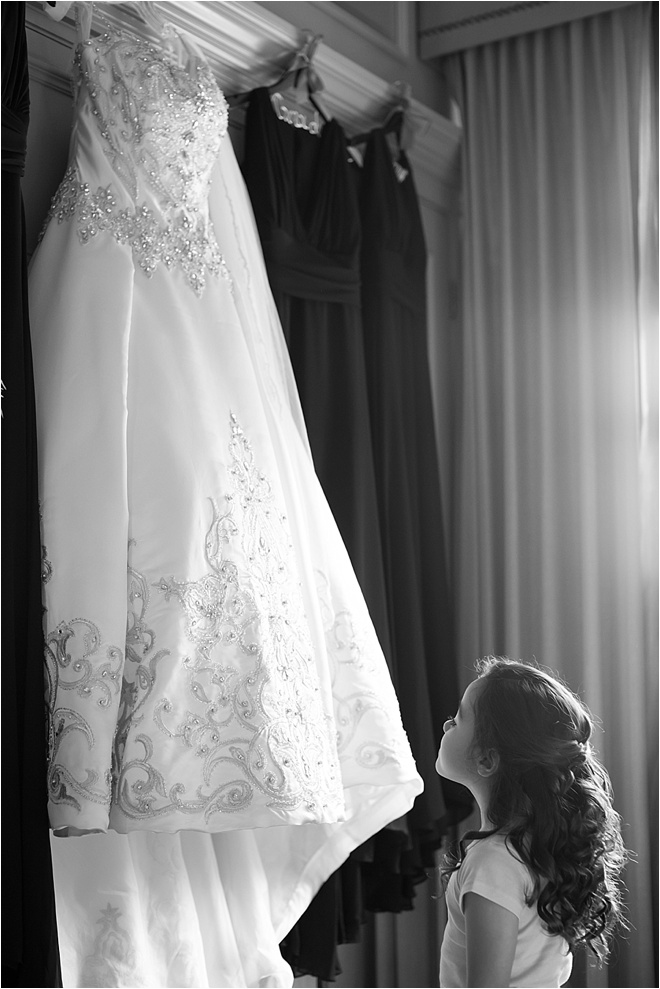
x,y
211,663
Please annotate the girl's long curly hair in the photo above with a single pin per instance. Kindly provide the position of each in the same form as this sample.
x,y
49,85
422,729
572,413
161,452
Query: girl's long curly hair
x,y
552,799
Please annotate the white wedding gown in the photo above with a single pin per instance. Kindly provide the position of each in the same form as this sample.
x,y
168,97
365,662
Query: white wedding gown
x,y
221,714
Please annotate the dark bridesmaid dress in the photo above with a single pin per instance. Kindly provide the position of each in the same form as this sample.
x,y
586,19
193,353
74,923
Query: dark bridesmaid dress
x,y
394,315
29,937
304,194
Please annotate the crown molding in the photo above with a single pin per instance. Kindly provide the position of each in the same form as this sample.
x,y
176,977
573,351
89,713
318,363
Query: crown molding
x,y
247,46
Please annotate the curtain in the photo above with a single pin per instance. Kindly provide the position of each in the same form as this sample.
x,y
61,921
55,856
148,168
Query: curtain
x,y
555,531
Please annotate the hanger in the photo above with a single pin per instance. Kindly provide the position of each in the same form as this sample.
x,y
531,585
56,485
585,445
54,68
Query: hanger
x,y
299,69
398,120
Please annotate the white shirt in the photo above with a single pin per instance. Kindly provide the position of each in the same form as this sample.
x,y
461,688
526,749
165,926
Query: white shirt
x,y
494,872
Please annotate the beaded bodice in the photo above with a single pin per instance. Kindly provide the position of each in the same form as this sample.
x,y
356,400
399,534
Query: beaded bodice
x,y
160,124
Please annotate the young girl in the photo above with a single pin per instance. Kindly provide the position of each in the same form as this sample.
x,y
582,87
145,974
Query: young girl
x,y
542,875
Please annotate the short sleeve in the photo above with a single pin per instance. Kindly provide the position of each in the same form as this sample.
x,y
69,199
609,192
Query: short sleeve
x,y
494,872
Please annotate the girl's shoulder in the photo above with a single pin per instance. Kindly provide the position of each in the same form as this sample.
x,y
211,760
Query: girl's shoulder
x,y
492,868
496,854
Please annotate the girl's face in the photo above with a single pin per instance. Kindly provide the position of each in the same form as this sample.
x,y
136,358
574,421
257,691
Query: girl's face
x,y
457,758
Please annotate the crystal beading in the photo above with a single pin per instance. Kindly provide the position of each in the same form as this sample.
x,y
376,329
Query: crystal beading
x,y
162,124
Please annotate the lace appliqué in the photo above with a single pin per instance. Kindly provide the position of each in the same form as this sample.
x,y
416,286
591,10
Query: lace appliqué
x,y
160,125
254,717
113,956
72,665
162,122
350,644
187,244
46,566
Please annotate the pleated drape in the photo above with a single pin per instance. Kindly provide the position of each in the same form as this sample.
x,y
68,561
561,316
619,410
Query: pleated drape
x,y
556,524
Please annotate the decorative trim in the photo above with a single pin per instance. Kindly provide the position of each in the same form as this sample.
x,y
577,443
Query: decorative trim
x,y
501,22
489,15
40,72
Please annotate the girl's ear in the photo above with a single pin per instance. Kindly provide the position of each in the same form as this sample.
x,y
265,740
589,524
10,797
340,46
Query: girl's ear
x,y
487,763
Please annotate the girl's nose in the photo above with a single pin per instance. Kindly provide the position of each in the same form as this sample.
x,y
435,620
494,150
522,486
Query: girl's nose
x,y
447,725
